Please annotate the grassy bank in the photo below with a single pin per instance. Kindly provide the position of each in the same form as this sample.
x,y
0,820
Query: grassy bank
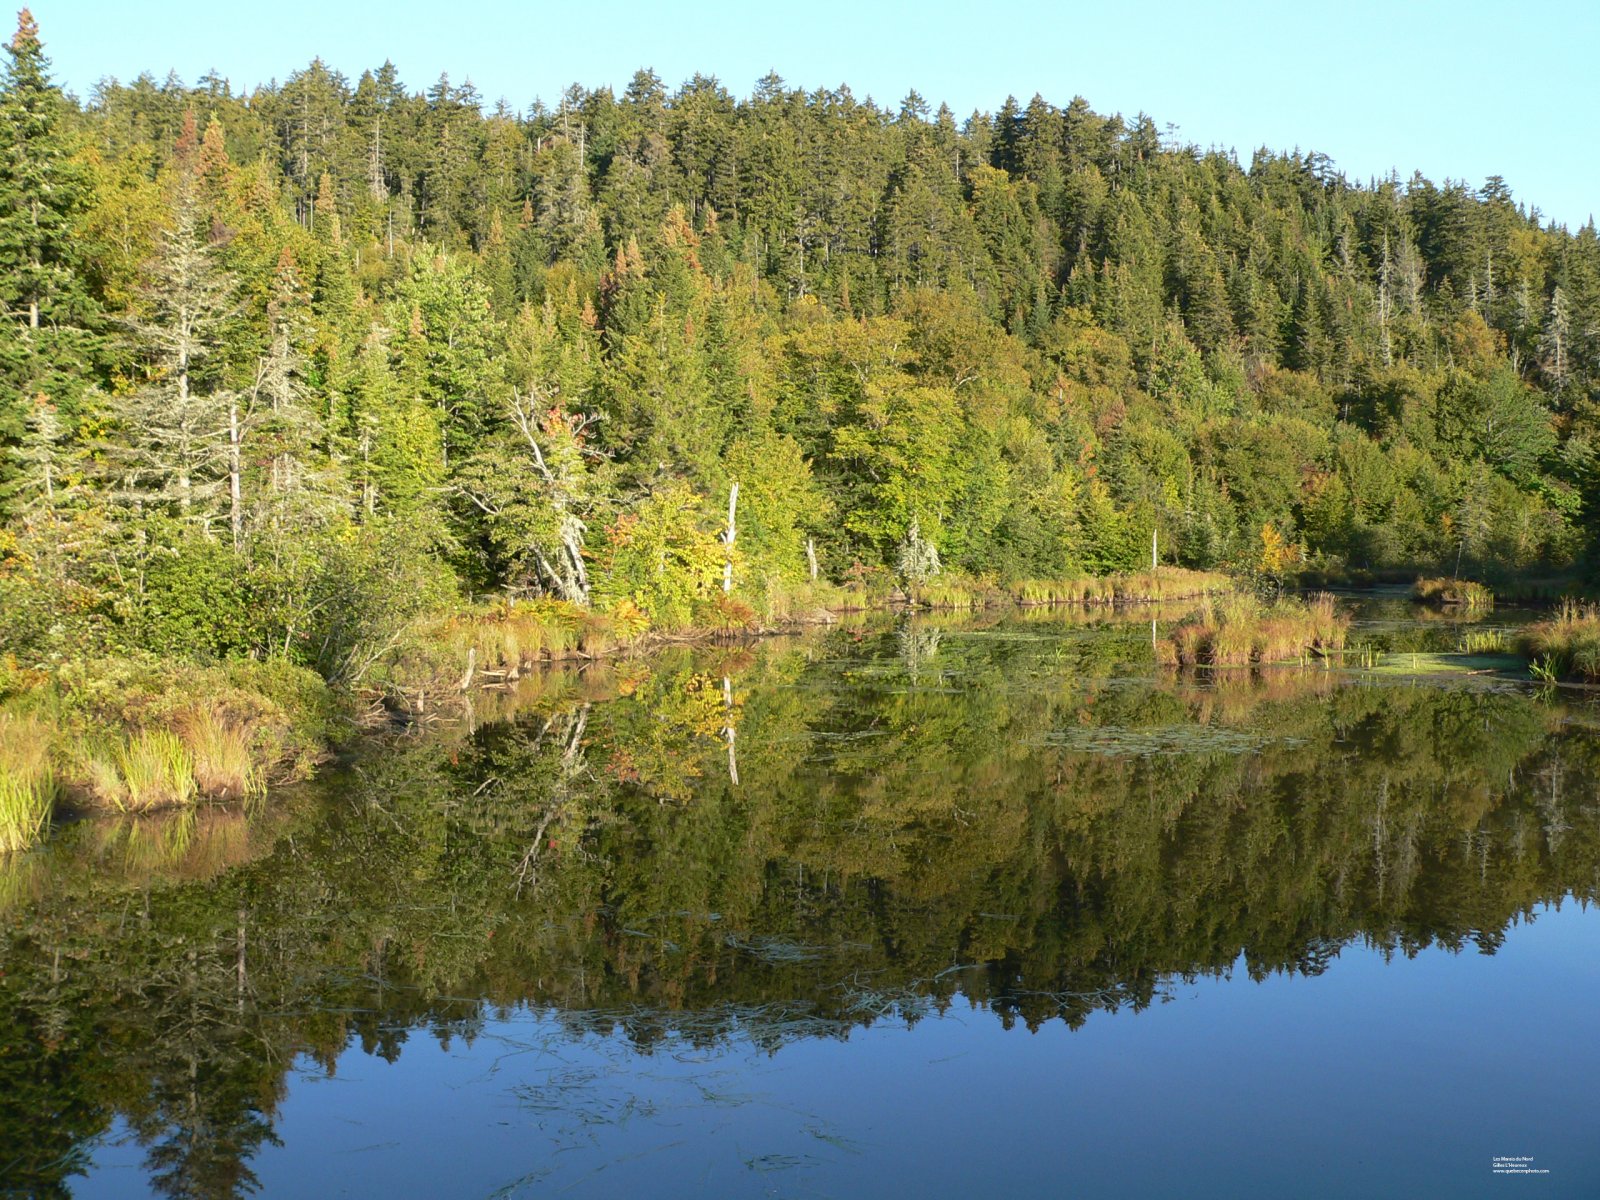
x,y
1138,587
139,734
497,642
1241,631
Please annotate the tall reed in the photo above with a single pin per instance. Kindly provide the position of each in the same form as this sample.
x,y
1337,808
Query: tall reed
x,y
156,769
27,781
220,754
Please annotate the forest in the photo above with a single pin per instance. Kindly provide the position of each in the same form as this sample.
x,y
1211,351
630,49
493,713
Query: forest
x,y
290,374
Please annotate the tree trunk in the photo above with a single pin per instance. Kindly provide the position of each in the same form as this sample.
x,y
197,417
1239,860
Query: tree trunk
x,y
235,460
727,538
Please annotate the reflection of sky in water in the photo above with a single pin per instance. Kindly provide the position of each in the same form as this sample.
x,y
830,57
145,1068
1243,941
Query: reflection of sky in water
x,y
1370,1080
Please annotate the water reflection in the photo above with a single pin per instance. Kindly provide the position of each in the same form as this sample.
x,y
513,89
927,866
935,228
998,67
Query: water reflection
x,y
783,843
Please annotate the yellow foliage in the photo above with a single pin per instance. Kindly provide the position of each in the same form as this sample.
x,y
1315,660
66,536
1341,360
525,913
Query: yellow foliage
x,y
1277,553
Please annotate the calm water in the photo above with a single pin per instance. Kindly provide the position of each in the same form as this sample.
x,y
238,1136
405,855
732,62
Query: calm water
x,y
943,909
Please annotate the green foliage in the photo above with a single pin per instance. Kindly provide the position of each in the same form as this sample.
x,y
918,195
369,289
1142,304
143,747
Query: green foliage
x,y
194,601
389,347
658,556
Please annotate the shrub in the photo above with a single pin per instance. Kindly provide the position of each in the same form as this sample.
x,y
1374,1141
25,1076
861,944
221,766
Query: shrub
x,y
658,557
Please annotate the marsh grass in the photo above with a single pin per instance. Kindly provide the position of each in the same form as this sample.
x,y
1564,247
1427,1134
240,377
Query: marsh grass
x,y
1485,641
1567,646
960,592
221,756
807,601
27,780
1140,587
155,770
500,641
1460,594
1240,631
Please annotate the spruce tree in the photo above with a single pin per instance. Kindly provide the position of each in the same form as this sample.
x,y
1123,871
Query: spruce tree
x,y
181,431
46,354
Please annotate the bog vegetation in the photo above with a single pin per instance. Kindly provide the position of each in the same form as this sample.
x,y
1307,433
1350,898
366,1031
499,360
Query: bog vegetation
x,y
1463,595
392,388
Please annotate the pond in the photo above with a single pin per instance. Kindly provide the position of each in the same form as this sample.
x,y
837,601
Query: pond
x,y
935,907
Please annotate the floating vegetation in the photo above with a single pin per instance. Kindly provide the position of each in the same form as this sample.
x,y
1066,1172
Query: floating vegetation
x,y
1430,663
1124,742
775,950
1486,641
1461,594
781,1162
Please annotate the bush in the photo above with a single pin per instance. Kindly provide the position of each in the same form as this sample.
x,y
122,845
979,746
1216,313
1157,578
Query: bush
x,y
658,557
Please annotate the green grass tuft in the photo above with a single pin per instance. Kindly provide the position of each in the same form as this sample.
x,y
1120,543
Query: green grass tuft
x,y
27,781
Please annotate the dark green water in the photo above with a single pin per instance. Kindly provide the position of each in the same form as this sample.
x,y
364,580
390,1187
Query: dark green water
x,y
957,909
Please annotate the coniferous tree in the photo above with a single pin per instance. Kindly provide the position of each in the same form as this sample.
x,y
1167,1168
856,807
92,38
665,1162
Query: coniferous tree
x,y
180,433
47,352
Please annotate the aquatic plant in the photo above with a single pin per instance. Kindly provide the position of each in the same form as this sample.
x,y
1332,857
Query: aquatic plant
x,y
1485,641
220,751
959,592
1142,587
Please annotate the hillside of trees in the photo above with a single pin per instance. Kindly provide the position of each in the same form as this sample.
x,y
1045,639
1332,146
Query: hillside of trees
x,y
283,369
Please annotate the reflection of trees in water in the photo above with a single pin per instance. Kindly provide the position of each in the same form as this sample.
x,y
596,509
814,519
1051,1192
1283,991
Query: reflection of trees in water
x,y
919,643
886,850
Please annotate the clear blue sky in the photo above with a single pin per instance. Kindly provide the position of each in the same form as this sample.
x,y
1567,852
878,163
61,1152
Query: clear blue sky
x,y
1461,89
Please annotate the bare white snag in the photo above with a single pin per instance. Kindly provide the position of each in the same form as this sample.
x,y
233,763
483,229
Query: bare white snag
x,y
728,537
